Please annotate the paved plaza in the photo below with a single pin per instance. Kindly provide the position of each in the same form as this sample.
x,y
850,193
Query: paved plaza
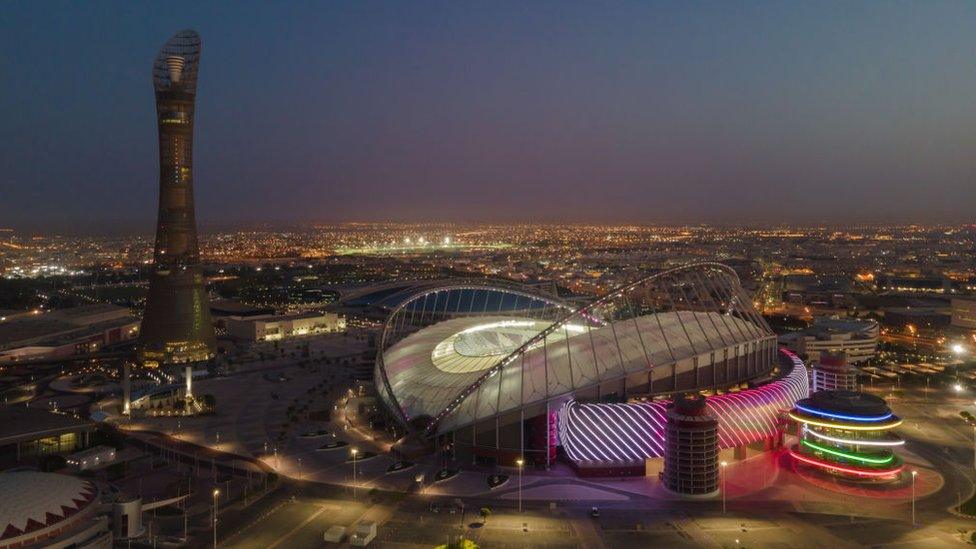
x,y
769,502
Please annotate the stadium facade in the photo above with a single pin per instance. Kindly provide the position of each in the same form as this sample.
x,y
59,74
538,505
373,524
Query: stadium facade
x,y
176,326
497,372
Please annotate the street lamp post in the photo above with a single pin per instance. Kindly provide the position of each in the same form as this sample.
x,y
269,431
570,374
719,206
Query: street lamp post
x,y
724,464
520,462
974,446
914,474
216,493
354,453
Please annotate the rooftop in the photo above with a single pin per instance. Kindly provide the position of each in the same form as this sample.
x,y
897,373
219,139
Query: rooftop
x,y
20,423
60,326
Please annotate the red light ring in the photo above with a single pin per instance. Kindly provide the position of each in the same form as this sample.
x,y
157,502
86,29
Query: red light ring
x,y
827,465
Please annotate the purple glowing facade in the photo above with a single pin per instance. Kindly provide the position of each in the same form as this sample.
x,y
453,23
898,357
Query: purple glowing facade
x,y
622,433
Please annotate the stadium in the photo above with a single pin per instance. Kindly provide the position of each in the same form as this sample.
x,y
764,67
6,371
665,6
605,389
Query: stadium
x,y
494,372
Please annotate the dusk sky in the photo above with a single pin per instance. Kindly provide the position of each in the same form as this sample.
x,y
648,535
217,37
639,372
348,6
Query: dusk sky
x,y
649,112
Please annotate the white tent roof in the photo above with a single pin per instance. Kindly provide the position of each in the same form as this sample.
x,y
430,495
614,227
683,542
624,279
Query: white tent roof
x,y
45,498
432,367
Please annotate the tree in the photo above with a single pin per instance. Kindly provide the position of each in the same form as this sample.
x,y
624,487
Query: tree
x,y
485,512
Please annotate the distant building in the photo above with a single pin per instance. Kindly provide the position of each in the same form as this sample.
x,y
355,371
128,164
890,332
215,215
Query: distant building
x,y
817,292
65,332
923,318
277,327
913,284
222,309
964,312
858,339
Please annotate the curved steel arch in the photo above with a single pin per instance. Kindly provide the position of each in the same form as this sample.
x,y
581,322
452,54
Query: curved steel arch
x,y
460,284
588,308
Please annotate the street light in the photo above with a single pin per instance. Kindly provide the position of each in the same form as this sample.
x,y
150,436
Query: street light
x,y
957,387
216,493
354,452
520,462
974,446
914,474
724,464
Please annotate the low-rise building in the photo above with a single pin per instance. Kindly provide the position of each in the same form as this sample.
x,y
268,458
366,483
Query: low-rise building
x,y
964,312
92,458
66,332
28,432
858,339
277,327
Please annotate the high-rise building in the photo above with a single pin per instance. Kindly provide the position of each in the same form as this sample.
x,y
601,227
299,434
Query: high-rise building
x,y
176,327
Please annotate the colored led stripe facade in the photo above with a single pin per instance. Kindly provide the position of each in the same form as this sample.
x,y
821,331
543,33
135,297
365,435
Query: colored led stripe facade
x,y
621,433
838,447
857,441
845,469
843,417
872,460
800,418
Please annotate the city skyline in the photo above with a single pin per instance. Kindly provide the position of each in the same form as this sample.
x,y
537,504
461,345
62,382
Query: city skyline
x,y
649,114
615,276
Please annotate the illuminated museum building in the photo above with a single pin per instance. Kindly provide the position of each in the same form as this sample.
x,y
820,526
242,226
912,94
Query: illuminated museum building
x,y
495,371
847,434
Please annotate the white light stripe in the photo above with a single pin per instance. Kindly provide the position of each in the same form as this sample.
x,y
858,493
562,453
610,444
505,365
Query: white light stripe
x,y
620,430
856,442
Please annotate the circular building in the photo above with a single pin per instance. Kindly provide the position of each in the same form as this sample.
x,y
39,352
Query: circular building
x,y
691,448
847,434
832,373
501,371
45,508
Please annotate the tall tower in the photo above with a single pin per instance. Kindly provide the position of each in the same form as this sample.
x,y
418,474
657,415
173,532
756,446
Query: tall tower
x,y
176,326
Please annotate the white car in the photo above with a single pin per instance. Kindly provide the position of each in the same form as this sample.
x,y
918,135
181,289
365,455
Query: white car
x,y
363,532
335,534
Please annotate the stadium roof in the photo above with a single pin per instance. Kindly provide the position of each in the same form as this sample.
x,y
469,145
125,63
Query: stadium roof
x,y
460,364
34,501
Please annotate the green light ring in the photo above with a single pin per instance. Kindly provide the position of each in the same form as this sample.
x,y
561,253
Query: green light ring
x,y
849,455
